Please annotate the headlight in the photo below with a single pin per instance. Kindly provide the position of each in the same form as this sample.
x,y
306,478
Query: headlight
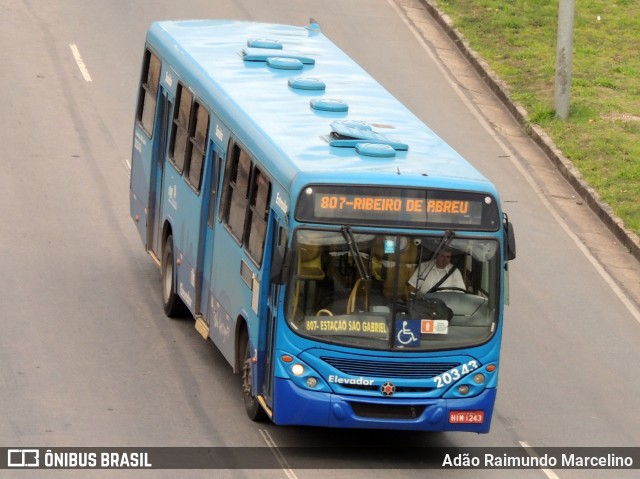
x,y
299,372
478,378
464,389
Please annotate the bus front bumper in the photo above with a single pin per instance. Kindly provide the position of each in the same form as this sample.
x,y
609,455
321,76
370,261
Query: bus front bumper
x,y
296,406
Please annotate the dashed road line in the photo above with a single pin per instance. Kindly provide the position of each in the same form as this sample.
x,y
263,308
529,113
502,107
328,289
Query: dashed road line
x,y
80,62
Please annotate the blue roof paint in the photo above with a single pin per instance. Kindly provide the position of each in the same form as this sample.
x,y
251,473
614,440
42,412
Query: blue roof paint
x,y
277,123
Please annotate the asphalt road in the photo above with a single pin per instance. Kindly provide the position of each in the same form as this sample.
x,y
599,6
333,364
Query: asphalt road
x,y
87,357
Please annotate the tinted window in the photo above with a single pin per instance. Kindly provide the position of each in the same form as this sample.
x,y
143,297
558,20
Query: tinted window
x,y
258,213
180,132
246,193
198,142
148,93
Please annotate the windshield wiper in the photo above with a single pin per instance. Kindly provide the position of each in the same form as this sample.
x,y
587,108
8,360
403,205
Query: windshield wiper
x,y
353,247
444,242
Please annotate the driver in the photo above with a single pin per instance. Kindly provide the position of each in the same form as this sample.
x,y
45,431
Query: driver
x,y
436,274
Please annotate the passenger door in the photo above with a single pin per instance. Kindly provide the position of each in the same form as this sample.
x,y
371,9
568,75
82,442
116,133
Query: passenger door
x,y
154,233
209,229
278,243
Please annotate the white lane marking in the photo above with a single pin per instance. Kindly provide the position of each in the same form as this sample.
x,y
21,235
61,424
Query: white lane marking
x,y
80,62
127,166
474,109
276,452
550,474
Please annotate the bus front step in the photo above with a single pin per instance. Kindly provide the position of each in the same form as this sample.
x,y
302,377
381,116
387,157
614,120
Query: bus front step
x,y
202,327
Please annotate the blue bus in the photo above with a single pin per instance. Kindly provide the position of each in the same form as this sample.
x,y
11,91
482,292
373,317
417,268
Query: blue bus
x,y
348,264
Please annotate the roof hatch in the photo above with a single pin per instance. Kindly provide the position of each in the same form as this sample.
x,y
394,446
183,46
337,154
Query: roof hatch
x,y
349,133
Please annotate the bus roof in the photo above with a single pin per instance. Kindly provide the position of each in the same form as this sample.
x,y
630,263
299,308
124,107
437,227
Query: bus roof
x,y
263,91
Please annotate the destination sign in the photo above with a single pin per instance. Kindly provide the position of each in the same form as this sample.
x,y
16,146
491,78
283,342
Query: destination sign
x,y
410,207
363,326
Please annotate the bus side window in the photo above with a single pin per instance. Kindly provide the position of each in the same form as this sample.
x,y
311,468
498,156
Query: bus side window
x,y
258,213
148,94
236,191
180,130
197,144
245,208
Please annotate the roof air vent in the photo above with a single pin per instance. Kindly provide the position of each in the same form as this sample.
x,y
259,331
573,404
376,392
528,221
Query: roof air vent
x,y
284,63
264,43
377,150
328,104
306,83
348,133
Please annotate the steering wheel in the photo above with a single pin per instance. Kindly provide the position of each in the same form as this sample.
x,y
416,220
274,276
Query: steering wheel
x,y
324,311
451,288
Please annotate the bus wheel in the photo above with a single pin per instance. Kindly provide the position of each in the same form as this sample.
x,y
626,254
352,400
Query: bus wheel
x,y
251,404
173,305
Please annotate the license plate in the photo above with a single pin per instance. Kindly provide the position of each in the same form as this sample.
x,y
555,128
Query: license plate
x,y
466,417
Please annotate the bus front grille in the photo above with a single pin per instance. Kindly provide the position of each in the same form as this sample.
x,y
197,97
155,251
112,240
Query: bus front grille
x,y
385,411
388,369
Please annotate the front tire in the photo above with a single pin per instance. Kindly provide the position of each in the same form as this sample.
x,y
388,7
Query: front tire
x,y
251,404
173,305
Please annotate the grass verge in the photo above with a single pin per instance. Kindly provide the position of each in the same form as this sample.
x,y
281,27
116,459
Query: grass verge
x,y
517,38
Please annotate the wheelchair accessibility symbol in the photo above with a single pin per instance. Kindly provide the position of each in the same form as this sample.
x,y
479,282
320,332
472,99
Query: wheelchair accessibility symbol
x,y
408,333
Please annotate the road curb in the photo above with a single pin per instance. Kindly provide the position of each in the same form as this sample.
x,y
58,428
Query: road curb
x,y
627,238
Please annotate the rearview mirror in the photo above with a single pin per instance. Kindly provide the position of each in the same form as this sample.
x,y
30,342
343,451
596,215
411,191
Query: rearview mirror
x,y
510,240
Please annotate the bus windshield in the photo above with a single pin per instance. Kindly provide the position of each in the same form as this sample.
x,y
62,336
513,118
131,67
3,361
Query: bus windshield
x,y
393,292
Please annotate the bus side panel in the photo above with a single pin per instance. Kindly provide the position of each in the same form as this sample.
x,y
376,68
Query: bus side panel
x,y
176,205
238,290
231,295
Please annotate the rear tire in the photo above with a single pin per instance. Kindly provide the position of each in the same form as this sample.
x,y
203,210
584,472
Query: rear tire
x,y
173,305
251,404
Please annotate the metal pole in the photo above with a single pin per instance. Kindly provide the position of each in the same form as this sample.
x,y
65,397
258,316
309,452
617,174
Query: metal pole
x,y
564,58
